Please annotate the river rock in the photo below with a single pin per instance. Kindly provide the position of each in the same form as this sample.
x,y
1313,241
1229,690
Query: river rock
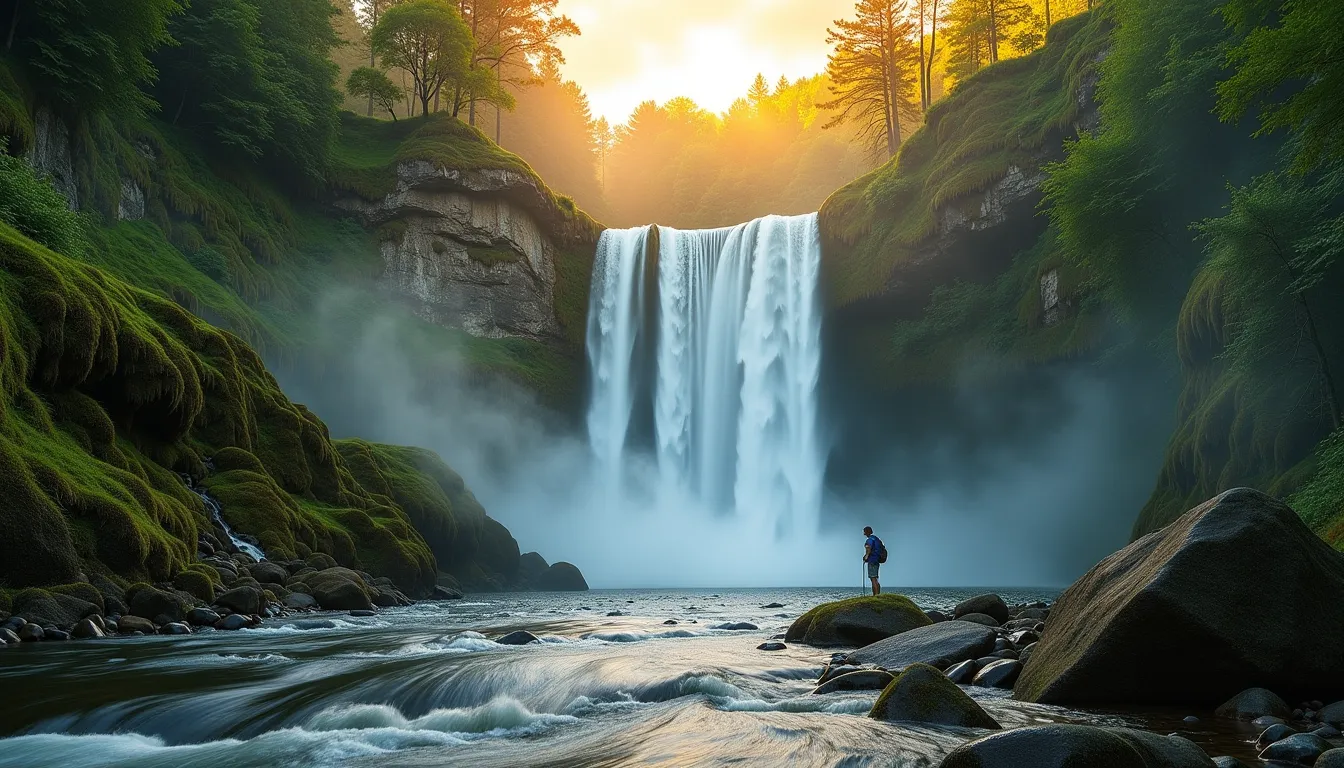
x,y
131,624
1252,703
87,629
339,589
922,694
52,608
233,621
1298,749
1001,674
1198,580
772,647
1273,733
1332,713
736,626
979,618
1024,637
520,637
175,628
953,641
1264,721
988,605
361,613
266,571
1228,762
963,672
1331,758
1326,731
320,561
31,633
857,680
202,617
562,577
241,600
298,601
857,621
1076,746
9,636
52,633
149,602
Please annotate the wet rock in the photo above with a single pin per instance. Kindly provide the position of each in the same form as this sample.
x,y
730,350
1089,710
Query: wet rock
x,y
233,621
1331,758
1189,719
979,618
520,637
52,633
1298,749
1077,746
771,647
445,593
320,561
175,628
1001,643
9,636
87,629
1264,721
1099,648
13,623
131,624
1228,762
266,571
149,602
1332,713
836,668
31,633
1007,653
857,680
52,608
1000,674
1020,624
562,577
985,661
386,598
202,617
737,626
241,600
670,622
1025,654
339,589
857,621
1327,731
954,641
1024,637
1252,703
773,605
985,605
922,694
1038,614
307,624
298,601
363,613
936,616
963,672
615,613
1273,733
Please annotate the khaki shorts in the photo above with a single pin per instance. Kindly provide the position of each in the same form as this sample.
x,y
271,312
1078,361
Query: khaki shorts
x,y
872,570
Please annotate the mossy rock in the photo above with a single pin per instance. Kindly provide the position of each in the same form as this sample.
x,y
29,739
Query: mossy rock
x,y
857,621
43,608
199,585
81,590
922,694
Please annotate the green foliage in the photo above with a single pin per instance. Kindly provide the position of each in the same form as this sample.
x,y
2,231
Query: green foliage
x,y
1320,500
377,87
1006,116
30,204
90,55
211,263
429,40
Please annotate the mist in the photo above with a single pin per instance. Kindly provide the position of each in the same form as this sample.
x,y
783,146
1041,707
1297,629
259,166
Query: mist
x,y
1037,507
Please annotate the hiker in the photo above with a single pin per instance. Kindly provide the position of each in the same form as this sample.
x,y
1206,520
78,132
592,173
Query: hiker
x,y
874,554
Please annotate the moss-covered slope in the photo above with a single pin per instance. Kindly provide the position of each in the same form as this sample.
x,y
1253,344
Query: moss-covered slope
x,y
109,391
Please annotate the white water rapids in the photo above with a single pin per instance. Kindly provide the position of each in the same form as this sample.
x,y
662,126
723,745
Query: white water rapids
x,y
736,351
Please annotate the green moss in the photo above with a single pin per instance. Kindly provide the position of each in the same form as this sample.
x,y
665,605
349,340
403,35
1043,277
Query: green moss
x,y
489,257
825,625
1009,114
196,584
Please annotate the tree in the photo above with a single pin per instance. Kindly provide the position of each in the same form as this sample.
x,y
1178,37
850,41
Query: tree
x,y
369,15
873,71
377,86
928,27
604,138
86,54
429,40
979,31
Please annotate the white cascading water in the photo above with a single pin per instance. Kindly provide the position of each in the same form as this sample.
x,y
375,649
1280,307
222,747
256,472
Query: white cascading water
x,y
738,359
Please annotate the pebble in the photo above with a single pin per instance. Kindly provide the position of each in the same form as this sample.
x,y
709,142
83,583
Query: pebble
x,y
1190,719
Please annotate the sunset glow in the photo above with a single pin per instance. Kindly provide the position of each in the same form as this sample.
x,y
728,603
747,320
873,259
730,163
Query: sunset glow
x,y
635,50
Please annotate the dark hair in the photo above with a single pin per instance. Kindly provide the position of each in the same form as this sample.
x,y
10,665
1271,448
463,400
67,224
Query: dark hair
x,y
867,530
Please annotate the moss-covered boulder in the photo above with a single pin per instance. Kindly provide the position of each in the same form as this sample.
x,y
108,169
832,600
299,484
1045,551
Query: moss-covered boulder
x,y
245,600
151,603
1077,746
922,694
857,621
198,584
339,589
1231,584
561,577
48,608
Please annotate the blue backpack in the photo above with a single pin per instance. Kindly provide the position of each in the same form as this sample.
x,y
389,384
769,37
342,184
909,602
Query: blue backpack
x,y
881,550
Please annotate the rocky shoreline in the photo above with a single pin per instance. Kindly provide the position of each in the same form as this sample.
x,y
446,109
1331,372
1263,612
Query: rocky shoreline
x,y
1225,612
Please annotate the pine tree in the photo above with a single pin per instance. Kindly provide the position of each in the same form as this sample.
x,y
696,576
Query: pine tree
x,y
873,71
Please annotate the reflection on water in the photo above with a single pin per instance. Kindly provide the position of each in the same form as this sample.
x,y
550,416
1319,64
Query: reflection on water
x,y
425,685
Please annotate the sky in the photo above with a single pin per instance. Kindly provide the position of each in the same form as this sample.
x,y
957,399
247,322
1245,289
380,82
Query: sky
x,y
710,50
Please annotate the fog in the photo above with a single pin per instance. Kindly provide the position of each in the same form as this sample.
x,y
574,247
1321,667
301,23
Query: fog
x,y
1036,506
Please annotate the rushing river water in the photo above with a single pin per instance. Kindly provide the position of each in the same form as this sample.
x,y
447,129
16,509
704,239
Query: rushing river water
x,y
424,686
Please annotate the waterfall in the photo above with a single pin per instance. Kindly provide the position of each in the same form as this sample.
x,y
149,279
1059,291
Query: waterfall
x,y
217,516
738,354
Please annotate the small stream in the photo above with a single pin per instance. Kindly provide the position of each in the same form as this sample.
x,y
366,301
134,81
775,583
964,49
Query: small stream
x,y
213,506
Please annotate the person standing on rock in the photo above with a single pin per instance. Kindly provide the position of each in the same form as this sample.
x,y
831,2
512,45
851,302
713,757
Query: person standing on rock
x,y
874,554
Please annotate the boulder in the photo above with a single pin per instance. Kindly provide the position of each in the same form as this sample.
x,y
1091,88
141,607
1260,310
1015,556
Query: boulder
x,y
980,618
441,592
520,637
1273,733
963,673
233,621
298,601
1264,721
1331,758
320,561
202,617
241,600
1228,762
922,694
953,641
131,624
1252,703
86,628
1326,731
772,647
1202,583
149,602
1000,674
266,571
339,589
1297,749
936,616
1076,746
1332,713
175,628
9,636
31,633
561,577
738,626
857,621
989,605
773,605
857,680
52,608
52,633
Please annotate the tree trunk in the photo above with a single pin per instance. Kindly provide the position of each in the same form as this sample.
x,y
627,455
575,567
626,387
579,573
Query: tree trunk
x,y
182,102
993,31
471,111
424,105
923,78
1047,14
13,27
933,50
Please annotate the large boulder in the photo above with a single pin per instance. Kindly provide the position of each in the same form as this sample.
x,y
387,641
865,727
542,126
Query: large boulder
x,y
267,572
1255,702
857,680
1234,593
922,694
244,600
151,603
1077,746
949,642
989,605
339,589
857,621
561,577
52,608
